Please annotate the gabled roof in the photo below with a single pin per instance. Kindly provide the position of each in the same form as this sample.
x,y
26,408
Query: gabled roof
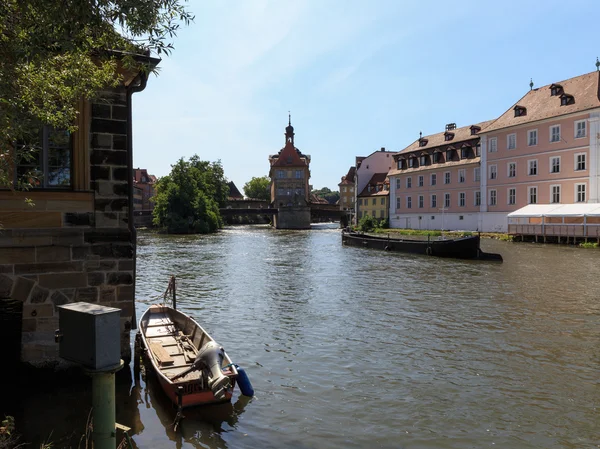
x,y
349,178
139,172
540,105
378,179
289,156
234,193
436,140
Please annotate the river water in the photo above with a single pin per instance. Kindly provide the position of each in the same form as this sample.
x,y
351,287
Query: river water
x,y
355,348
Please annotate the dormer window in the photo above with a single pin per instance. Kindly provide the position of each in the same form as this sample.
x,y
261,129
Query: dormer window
x,y
436,158
448,136
411,162
555,90
423,142
520,111
465,152
475,130
423,160
449,155
566,99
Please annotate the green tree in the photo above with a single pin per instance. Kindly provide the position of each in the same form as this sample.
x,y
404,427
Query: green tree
x,y
188,199
326,193
55,52
258,188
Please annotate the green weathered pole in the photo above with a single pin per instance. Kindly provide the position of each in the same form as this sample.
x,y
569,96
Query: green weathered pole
x,y
103,400
103,407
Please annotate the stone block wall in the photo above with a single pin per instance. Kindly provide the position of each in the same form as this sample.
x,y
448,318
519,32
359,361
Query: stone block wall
x,y
293,217
91,256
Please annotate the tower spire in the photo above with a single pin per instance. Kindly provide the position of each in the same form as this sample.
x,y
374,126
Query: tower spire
x,y
289,130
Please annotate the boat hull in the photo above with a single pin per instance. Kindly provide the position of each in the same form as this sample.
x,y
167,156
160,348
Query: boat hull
x,y
460,248
170,340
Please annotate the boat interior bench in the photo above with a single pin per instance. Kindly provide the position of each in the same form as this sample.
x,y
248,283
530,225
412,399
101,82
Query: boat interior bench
x,y
171,348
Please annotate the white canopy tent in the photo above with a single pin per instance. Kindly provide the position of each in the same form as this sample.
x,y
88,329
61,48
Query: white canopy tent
x,y
570,220
557,210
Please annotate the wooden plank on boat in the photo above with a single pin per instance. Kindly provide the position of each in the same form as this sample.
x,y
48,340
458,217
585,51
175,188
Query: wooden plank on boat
x,y
160,353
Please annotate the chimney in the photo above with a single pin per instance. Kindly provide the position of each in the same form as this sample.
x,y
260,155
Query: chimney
x,y
382,148
450,126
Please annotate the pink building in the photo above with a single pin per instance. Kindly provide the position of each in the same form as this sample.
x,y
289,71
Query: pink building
x,y
543,150
435,182
377,162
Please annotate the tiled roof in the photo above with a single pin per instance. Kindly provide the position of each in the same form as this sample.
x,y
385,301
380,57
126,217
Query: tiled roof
x,y
289,156
444,165
349,178
378,179
317,199
234,193
541,105
436,140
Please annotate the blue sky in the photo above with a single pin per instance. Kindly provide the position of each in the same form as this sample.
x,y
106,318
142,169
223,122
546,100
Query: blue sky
x,y
356,76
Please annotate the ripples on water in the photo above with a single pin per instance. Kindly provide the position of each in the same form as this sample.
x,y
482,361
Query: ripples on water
x,y
358,348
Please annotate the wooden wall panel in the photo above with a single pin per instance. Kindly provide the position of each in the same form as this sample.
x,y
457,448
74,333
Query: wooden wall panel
x,y
31,219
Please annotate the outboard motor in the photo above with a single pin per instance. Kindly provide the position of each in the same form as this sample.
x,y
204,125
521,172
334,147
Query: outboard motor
x,y
210,358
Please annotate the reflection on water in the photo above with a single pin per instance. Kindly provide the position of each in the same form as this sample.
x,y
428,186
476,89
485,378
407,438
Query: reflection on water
x,y
354,348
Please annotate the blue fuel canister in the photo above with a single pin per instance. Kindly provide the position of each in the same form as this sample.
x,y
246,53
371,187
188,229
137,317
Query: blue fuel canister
x,y
244,382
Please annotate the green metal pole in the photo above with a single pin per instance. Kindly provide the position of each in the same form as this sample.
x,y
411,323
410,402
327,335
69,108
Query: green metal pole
x,y
103,407
103,402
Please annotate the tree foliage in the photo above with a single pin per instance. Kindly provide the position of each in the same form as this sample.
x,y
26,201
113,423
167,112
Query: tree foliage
x,y
370,223
258,188
326,193
188,199
55,52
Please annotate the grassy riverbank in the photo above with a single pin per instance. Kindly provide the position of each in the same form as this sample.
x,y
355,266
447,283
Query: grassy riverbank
x,y
418,232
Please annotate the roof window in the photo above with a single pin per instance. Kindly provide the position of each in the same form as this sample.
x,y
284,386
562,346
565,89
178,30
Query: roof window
x,y
566,99
520,111
448,136
475,129
556,89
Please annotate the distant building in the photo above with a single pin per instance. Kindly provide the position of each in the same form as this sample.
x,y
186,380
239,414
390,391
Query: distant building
x,y
538,165
374,198
545,149
138,197
290,191
435,183
347,195
315,199
147,183
234,193
377,162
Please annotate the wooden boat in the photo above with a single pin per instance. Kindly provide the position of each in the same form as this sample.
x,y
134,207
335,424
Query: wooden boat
x,y
174,343
459,248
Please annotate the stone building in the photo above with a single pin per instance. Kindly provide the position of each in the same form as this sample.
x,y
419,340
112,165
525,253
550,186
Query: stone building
x,y
374,198
290,191
77,242
147,183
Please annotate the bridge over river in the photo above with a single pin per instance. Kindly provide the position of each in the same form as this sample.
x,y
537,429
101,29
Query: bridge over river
x,y
318,212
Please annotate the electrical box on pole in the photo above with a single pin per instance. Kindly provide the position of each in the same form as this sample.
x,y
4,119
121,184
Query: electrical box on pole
x,y
90,335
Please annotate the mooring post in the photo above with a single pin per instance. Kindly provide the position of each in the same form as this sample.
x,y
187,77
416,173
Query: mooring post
x,y
103,406
174,292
